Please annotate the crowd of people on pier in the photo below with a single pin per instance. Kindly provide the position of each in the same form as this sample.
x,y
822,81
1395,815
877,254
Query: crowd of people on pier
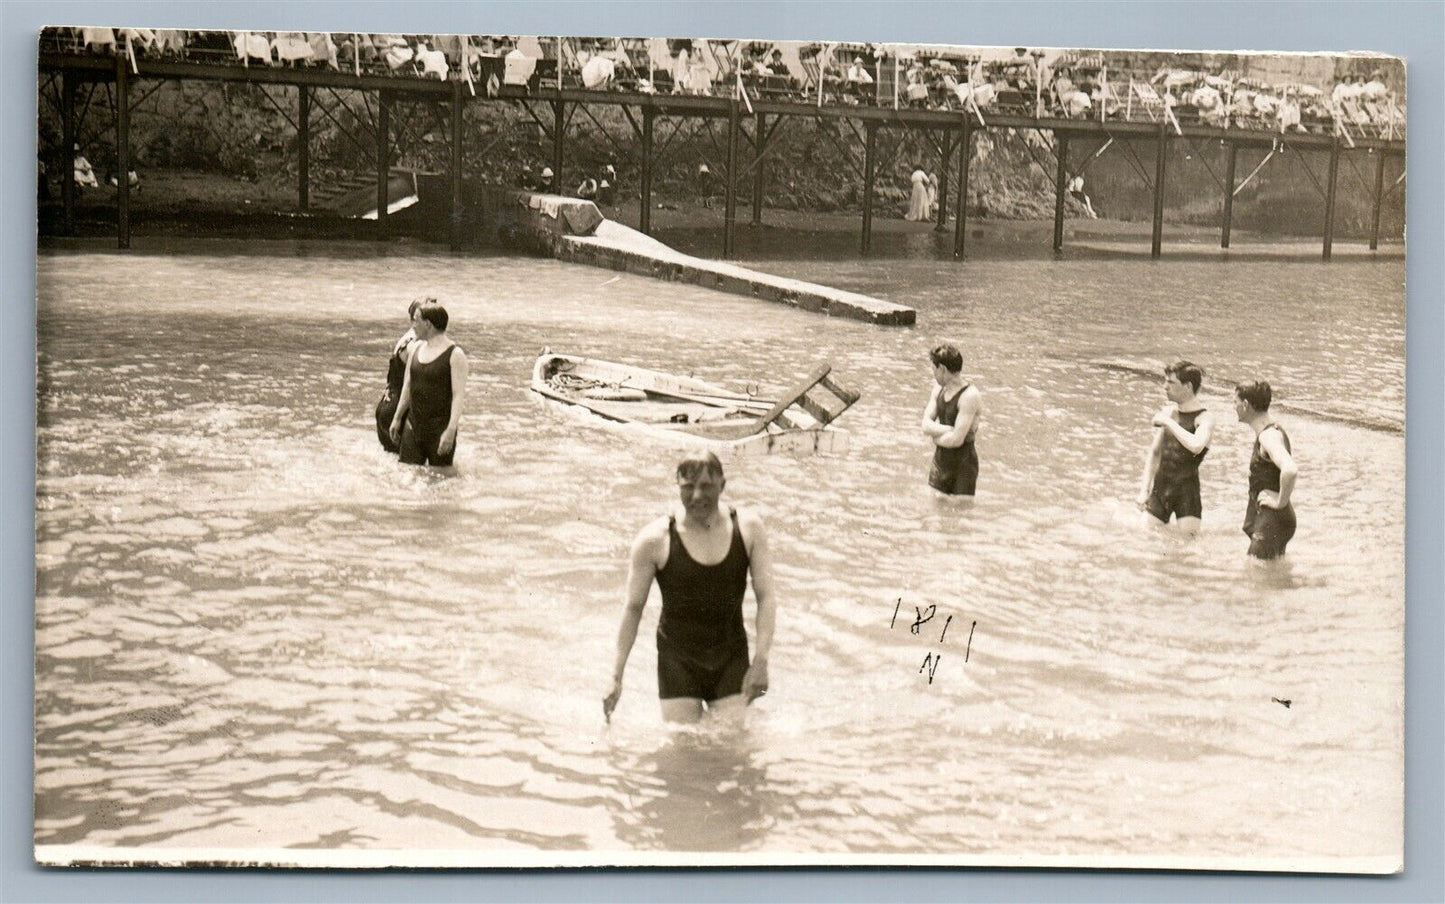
x,y
1028,82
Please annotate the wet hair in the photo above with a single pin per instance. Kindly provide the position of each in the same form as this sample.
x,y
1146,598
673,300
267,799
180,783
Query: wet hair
x,y
1186,372
434,314
1257,394
699,462
416,303
950,357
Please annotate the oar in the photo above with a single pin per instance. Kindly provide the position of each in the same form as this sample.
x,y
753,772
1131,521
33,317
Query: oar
x,y
739,401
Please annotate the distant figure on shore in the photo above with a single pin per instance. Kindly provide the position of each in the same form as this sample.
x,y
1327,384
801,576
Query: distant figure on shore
x,y
951,422
395,377
132,178
701,556
932,195
1182,432
1076,188
918,196
1269,519
587,189
607,185
84,172
706,184
430,407
545,184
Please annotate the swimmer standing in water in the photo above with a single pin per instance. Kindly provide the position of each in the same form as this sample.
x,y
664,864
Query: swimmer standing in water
x,y
701,556
1182,431
395,377
1268,517
951,421
430,408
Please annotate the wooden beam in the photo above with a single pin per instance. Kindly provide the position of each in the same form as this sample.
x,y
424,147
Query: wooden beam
x,y
1061,175
960,218
454,230
303,148
559,134
644,218
67,167
122,152
760,121
945,153
383,161
1228,195
1330,190
730,191
1161,153
1379,196
870,135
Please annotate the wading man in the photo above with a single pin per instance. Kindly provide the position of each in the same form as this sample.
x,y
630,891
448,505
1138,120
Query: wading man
x,y
430,408
701,555
1268,518
1182,431
951,422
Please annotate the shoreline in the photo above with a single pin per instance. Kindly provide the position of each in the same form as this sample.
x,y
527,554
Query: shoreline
x,y
177,203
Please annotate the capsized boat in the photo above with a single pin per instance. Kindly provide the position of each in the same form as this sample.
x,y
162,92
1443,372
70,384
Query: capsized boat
x,y
690,411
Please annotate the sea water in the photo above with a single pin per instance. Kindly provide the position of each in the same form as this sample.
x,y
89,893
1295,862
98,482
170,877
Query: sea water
x,y
256,629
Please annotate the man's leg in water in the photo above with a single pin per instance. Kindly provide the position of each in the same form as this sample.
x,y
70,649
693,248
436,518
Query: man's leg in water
x,y
681,709
730,708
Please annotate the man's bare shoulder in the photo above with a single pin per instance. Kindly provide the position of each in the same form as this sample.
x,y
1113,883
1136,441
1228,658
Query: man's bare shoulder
x,y
653,533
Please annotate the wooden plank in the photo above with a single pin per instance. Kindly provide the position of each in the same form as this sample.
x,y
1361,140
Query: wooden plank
x,y
790,398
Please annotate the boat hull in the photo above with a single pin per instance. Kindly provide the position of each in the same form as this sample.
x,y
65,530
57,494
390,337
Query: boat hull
x,y
672,409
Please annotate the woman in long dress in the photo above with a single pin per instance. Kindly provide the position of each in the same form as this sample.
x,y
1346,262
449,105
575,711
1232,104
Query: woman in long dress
x,y
918,200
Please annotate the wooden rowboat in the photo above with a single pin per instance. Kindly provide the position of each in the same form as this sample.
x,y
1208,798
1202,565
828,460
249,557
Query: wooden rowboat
x,y
689,411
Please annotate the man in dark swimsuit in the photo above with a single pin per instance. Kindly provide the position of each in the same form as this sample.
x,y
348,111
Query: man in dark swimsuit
x,y
1182,431
430,407
1268,518
950,421
395,377
701,562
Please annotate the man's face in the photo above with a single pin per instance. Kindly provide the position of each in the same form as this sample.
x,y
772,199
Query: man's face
x,y
700,492
940,374
1174,390
1242,410
422,328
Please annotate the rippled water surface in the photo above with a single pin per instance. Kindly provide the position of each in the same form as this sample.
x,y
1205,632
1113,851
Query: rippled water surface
x,y
254,628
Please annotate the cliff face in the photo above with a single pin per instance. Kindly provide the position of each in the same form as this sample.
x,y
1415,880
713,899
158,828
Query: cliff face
x,y
247,131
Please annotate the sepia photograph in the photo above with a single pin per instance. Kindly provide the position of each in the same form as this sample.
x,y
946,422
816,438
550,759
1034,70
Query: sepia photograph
x,y
468,449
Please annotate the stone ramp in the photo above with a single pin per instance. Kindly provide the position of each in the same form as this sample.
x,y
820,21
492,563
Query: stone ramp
x,y
574,230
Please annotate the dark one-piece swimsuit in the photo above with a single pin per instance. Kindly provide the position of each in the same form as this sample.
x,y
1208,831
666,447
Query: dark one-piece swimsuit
x,y
1176,483
954,471
431,409
702,647
1269,529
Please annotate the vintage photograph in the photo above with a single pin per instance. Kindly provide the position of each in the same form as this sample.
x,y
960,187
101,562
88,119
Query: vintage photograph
x,y
483,450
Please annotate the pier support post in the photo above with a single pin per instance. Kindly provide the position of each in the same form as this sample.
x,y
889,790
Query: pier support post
x,y
559,144
122,152
67,164
730,191
1061,175
1330,196
758,163
1228,195
454,174
943,164
383,161
1379,198
869,143
1161,153
960,218
303,148
644,216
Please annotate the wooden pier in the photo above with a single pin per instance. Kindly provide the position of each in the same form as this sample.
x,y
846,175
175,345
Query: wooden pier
x,y
748,121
